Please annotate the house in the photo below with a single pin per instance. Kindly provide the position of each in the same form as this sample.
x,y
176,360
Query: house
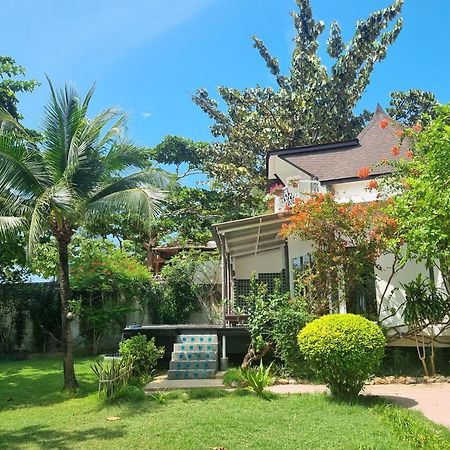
x,y
253,245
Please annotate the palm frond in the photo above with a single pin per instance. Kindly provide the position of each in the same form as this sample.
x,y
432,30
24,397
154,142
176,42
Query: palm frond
x,y
153,179
39,222
58,123
146,202
21,167
115,130
124,155
12,124
9,225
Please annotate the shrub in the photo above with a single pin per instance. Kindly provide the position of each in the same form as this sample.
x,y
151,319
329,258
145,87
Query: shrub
x,y
258,378
142,354
113,375
290,318
274,322
343,350
233,378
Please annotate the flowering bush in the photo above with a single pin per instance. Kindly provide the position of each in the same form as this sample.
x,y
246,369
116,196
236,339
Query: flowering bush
x,y
346,238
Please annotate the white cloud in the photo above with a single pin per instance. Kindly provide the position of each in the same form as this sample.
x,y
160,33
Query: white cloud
x,y
146,114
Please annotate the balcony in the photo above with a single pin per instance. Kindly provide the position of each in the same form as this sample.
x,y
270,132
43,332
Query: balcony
x,y
296,188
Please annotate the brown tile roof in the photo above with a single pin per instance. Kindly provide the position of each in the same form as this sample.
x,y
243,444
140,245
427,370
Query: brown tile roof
x,y
343,160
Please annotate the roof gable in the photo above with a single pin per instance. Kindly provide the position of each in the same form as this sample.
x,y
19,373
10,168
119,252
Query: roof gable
x,y
342,160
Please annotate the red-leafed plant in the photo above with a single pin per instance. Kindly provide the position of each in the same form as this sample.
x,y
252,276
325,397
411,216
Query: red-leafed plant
x,y
346,237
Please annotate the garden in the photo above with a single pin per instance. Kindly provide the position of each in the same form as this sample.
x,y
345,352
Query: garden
x,y
35,413
98,233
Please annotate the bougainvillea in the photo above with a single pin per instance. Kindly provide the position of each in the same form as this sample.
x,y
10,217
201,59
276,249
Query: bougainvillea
x,y
346,237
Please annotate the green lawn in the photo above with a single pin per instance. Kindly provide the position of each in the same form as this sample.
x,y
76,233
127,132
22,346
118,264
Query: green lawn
x,y
34,413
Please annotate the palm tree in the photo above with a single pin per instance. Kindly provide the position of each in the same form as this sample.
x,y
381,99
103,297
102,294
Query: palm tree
x,y
79,171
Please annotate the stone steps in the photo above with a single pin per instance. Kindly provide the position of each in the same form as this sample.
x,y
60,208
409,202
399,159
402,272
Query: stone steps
x,y
193,365
194,357
197,339
195,347
190,374
189,355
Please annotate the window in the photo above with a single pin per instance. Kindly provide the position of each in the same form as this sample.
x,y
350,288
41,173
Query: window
x,y
361,295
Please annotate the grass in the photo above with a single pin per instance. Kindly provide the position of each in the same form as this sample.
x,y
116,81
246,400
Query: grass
x,y
35,414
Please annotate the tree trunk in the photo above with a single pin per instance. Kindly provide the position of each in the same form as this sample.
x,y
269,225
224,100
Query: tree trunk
x,y
252,356
63,236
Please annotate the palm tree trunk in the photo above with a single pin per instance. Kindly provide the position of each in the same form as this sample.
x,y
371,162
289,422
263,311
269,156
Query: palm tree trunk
x,y
63,237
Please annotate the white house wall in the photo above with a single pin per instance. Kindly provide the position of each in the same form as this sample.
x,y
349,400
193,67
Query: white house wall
x,y
395,294
283,170
354,191
271,261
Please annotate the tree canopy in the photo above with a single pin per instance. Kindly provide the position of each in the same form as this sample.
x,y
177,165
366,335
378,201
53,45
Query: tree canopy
x,y
310,104
413,106
75,174
10,86
422,184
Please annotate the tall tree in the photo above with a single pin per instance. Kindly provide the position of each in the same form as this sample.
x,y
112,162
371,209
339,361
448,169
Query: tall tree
x,y
10,86
189,211
311,104
413,106
74,175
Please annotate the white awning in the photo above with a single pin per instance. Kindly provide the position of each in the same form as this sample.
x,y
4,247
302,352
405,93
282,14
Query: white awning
x,y
250,236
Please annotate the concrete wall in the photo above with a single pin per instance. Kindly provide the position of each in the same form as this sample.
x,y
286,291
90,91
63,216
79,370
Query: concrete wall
x,y
354,191
395,294
271,261
283,170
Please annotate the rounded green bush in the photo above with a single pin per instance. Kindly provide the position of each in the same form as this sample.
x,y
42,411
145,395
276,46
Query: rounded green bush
x,y
343,350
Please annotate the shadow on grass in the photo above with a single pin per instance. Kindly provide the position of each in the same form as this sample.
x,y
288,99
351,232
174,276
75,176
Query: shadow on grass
x,y
45,437
40,382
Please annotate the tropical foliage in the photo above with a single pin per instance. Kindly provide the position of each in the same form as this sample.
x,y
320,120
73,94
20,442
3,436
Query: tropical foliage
x,y
427,310
10,86
75,174
413,106
346,239
188,282
257,378
141,354
421,184
311,104
274,321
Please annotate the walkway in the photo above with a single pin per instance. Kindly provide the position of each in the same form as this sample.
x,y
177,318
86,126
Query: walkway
x,y
433,400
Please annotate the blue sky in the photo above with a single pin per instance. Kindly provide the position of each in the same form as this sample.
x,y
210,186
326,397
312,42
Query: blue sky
x,y
149,56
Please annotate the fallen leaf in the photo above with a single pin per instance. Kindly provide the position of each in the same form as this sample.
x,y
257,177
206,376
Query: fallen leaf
x,y
113,418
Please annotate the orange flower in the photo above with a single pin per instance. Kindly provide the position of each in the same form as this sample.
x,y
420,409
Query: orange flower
x,y
417,127
399,133
409,154
384,123
372,184
395,151
364,172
